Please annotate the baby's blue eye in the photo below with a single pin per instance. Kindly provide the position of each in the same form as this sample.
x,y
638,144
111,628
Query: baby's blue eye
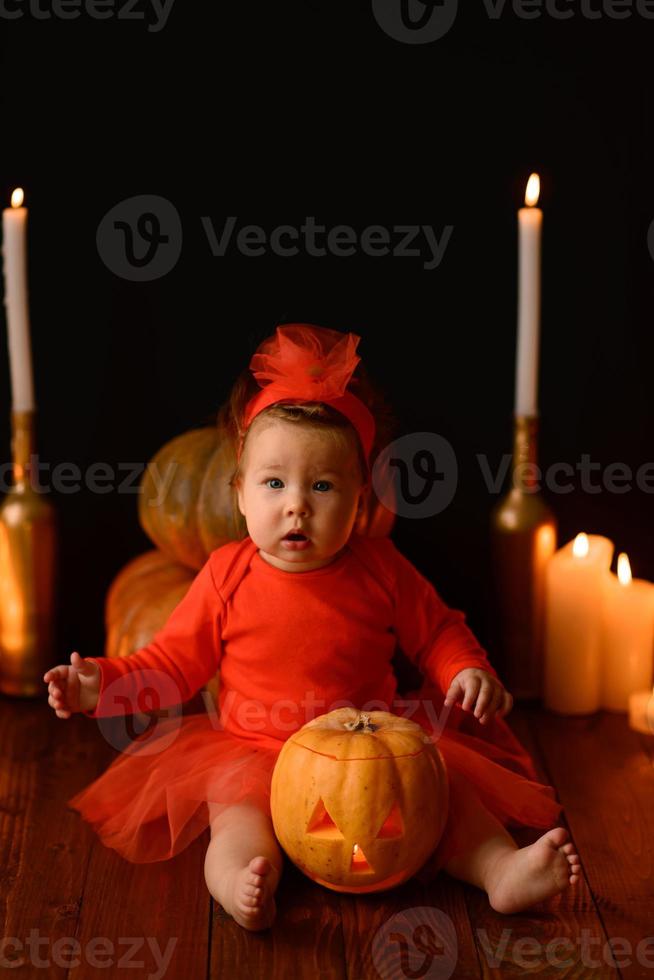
x,y
275,479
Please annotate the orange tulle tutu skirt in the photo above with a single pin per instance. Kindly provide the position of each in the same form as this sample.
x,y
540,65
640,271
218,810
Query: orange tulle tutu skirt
x,y
151,803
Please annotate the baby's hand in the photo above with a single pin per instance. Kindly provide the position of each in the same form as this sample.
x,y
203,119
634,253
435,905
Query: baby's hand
x,y
481,687
73,688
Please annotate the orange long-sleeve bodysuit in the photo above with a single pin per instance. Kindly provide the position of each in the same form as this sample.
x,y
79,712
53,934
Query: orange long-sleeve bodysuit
x,y
289,647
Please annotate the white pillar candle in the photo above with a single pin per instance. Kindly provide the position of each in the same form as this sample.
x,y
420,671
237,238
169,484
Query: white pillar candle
x,y
530,222
14,254
574,577
627,636
641,711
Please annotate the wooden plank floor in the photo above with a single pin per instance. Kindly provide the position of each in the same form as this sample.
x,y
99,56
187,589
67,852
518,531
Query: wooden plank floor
x,y
71,907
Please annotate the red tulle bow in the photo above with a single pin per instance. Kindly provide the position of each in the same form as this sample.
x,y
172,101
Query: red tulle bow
x,y
302,362
305,361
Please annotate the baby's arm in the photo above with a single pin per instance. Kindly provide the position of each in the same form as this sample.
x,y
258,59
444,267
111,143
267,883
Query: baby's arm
x,y
437,639
181,657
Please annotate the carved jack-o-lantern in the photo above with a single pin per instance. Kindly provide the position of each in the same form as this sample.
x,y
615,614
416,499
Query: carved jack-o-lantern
x,y
359,800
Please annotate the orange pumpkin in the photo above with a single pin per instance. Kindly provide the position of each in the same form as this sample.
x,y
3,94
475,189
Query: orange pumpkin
x,y
359,800
188,510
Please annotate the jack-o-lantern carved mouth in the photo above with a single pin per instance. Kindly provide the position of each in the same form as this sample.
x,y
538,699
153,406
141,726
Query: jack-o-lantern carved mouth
x,y
322,825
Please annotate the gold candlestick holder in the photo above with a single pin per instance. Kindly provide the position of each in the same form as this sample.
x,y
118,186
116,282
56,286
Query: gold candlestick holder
x,y
523,538
28,554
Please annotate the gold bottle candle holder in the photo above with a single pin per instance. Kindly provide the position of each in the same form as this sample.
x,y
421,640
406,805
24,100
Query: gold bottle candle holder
x,y
523,538
28,555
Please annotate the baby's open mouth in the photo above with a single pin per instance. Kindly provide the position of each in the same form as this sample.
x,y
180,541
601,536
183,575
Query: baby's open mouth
x,y
295,536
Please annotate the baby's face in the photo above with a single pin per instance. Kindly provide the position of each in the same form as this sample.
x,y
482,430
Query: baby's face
x,y
296,477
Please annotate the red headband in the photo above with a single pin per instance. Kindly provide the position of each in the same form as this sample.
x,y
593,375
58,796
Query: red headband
x,y
305,363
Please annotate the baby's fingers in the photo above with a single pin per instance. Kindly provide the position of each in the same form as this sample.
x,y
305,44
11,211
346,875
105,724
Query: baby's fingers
x,y
454,693
56,701
485,698
57,680
507,704
492,705
473,685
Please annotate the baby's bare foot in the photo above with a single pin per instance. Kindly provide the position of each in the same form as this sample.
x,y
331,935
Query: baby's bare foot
x,y
250,892
534,873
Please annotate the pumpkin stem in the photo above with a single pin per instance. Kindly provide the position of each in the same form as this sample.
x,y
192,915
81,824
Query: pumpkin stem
x,y
361,723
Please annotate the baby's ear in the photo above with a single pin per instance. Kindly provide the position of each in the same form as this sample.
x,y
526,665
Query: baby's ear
x,y
237,490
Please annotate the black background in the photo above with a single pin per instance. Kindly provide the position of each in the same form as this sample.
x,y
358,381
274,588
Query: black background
x,y
271,114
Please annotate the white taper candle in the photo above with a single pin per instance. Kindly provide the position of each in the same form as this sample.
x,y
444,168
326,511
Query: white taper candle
x,y
14,253
530,222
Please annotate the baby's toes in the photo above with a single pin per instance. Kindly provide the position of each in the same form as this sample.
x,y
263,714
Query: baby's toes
x,y
259,867
254,881
556,837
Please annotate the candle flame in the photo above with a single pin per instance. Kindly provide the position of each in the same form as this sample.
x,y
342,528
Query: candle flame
x,y
17,197
533,191
624,569
355,848
581,546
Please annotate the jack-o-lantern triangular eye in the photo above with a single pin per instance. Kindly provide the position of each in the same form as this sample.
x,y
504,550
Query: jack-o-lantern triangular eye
x,y
321,824
392,825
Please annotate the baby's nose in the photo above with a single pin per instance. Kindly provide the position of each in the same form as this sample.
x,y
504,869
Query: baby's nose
x,y
298,505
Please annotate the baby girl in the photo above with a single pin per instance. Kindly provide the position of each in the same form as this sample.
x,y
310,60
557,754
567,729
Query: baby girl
x,y
304,604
